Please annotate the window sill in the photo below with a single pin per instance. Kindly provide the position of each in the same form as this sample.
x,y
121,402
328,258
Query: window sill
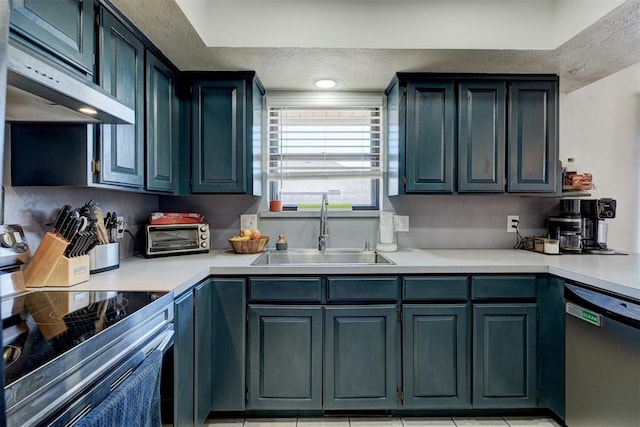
x,y
316,214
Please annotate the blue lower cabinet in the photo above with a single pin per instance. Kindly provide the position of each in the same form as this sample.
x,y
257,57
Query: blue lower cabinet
x,y
360,357
504,355
551,344
228,337
183,353
192,356
285,357
435,356
202,352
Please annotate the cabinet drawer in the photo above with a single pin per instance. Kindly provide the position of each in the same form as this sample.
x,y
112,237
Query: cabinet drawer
x,y
503,287
435,288
285,289
362,288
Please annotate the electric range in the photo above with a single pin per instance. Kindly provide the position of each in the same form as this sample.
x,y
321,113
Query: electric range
x,y
65,351
40,326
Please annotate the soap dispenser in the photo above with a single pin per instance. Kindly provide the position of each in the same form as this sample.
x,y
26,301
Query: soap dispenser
x,y
386,235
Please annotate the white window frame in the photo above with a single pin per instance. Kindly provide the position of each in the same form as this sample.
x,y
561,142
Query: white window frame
x,y
327,99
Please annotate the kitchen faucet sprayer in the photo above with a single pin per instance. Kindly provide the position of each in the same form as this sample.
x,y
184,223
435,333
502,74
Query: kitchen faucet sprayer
x,y
324,229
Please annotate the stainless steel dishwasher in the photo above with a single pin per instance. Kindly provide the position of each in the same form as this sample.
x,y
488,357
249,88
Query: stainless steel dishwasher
x,y
602,359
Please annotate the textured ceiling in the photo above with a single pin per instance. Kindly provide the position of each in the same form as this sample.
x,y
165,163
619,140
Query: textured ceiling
x,y
605,47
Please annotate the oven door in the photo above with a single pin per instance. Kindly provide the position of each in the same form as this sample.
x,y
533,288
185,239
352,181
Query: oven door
x,y
94,394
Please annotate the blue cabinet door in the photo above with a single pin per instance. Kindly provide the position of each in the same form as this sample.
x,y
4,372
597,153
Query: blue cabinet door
x,y
285,357
228,335
551,344
436,350
161,126
122,75
202,352
504,355
430,137
62,27
183,353
533,136
226,136
481,136
360,357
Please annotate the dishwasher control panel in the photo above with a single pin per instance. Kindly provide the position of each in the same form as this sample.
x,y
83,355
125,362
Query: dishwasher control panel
x,y
620,307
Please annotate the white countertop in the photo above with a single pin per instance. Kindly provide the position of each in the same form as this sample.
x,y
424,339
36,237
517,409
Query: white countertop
x,y
615,273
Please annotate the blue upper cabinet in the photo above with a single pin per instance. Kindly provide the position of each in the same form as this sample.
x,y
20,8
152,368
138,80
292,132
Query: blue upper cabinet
x,y
121,147
533,136
161,125
481,136
226,135
430,137
62,27
471,133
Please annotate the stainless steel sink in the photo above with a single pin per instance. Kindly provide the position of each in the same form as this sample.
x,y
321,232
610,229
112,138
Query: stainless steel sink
x,y
311,257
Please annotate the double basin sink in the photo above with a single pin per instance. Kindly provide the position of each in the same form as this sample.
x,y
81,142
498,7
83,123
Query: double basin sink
x,y
299,257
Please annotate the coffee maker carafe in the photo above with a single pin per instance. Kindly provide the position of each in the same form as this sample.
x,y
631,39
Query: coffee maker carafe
x,y
594,212
567,227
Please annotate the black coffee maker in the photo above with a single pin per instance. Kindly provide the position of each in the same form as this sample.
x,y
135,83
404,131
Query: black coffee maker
x,y
594,213
567,226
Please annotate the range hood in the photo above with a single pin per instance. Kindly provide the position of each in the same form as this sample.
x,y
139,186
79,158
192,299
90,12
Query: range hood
x,y
38,91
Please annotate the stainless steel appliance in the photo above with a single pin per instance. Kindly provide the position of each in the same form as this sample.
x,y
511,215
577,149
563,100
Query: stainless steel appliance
x,y
175,239
602,359
66,351
567,226
581,226
594,213
568,233
39,90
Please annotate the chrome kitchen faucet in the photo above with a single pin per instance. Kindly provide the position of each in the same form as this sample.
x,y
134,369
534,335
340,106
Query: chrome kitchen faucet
x,y
324,229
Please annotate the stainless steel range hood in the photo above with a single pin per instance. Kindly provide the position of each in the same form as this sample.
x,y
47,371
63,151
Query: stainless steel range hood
x,y
38,91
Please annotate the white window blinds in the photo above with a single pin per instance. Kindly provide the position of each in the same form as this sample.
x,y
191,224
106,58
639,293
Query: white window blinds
x,y
310,143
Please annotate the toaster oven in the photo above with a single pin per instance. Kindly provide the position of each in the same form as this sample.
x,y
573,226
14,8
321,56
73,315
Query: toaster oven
x,y
175,239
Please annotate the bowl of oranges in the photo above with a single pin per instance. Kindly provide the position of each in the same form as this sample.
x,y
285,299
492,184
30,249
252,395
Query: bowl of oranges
x,y
248,241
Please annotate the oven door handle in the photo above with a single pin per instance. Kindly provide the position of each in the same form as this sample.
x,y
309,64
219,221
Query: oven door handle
x,y
166,341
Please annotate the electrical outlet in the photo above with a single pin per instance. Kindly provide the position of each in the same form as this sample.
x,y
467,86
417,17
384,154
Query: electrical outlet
x,y
512,223
120,227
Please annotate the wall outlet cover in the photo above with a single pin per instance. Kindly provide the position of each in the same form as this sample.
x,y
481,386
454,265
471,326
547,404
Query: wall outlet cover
x,y
249,221
512,223
120,227
401,223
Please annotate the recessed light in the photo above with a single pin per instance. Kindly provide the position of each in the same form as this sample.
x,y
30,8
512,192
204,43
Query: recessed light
x,y
88,110
325,83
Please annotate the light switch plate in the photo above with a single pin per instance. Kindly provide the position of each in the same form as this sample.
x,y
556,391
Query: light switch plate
x,y
401,223
249,221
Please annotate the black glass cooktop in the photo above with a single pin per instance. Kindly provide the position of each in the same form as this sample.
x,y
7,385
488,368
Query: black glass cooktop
x,y
40,326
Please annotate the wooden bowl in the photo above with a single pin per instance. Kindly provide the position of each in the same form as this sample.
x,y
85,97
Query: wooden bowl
x,y
249,246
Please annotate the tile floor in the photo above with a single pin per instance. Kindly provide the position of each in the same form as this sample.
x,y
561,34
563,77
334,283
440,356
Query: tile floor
x,y
512,421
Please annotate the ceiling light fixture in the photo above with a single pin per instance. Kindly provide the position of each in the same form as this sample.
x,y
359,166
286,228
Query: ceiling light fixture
x,y
88,110
325,83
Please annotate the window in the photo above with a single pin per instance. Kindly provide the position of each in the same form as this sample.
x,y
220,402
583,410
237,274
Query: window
x,y
325,147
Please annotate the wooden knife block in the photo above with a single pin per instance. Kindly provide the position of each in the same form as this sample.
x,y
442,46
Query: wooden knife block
x,y
49,266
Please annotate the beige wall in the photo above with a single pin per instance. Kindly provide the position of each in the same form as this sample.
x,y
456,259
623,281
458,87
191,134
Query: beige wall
x,y
600,127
